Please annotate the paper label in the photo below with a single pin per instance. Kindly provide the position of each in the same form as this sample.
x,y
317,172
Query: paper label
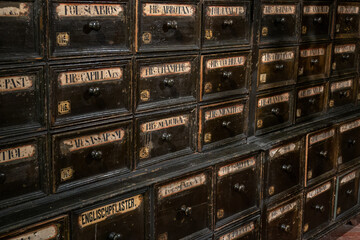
x,y
348,177
279,56
222,112
20,11
311,91
164,123
45,233
348,9
281,211
276,152
318,191
153,9
312,52
262,102
89,10
279,9
89,76
236,167
348,48
341,85
322,136
15,83
16,153
239,232
165,69
349,126
225,62
222,11
316,10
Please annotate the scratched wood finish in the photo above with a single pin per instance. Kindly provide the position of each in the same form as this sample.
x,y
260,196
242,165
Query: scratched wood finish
x,y
347,192
344,57
347,20
341,92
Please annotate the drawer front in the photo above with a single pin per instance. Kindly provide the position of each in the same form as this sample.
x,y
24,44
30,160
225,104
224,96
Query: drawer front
x,y
53,229
347,192
284,167
320,157
221,21
349,142
314,61
89,152
310,101
344,57
277,67
81,92
21,28
347,20
25,157
166,81
168,26
164,136
318,206
224,75
316,21
279,23
21,99
273,111
120,219
284,221
237,187
248,230
183,206
79,29
341,93
220,123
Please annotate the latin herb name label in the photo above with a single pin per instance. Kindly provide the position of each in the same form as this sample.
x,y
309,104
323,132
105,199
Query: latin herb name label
x,y
311,91
152,9
164,123
89,10
16,83
89,76
222,11
16,153
225,62
279,9
165,69
318,191
322,136
236,167
279,56
262,102
222,112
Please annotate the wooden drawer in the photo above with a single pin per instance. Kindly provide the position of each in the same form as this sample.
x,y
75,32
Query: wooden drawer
x,y
122,218
183,207
222,123
342,92
84,156
81,92
162,82
84,29
348,142
316,21
168,26
237,188
347,20
344,57
245,230
221,21
277,67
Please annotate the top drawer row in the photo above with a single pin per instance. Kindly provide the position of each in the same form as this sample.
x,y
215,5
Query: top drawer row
x,y
118,27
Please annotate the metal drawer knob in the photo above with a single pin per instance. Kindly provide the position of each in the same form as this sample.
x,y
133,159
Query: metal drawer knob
x,y
275,111
352,142
349,19
318,20
349,192
228,22
172,24
115,236
166,136
97,155
287,168
186,210
226,124
285,227
2,178
227,74
239,187
279,67
280,20
343,93
94,25
320,208
323,153
312,100
94,91
314,61
169,82
346,56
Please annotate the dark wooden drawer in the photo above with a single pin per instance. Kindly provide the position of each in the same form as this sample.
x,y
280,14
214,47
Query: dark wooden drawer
x,y
284,167
342,92
320,153
283,221
244,230
183,207
81,154
123,218
163,136
81,92
318,207
224,75
277,67
53,229
163,82
168,26
347,20
347,192
221,21
22,104
279,23
222,123
21,27
237,189
348,142
316,21
273,111
344,57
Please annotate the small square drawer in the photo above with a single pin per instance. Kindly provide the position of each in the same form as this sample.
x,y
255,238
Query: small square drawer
x,y
344,57
244,230
342,92
164,136
21,27
284,167
163,82
237,188
22,100
279,23
316,21
84,29
122,218
311,101
81,92
320,154
283,220
222,21
183,207
222,123
347,20
277,67
347,192
168,26
22,175
349,142
224,75
318,207
314,61
274,111
92,152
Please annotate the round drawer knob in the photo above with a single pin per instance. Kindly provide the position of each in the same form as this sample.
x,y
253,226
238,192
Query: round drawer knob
x,y
226,124
94,25
239,187
279,67
115,236
280,20
318,20
169,82
172,24
186,210
323,153
343,94
2,178
287,168
94,91
352,142
312,100
349,192
285,227
320,208
346,56
97,155
228,22
227,75
314,61
349,19
166,136
275,111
